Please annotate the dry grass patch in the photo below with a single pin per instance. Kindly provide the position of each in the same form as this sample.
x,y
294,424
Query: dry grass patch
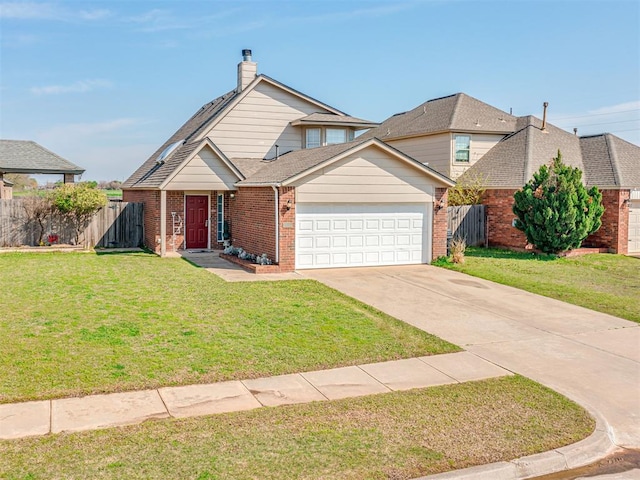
x,y
398,435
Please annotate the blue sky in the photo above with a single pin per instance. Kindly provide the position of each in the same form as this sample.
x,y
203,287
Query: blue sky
x,y
103,84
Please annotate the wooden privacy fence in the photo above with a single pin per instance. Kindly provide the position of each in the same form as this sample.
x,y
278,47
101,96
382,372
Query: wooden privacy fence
x,y
119,224
467,222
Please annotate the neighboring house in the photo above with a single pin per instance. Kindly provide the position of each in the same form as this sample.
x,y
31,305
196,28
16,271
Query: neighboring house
x,y
608,162
464,138
25,156
449,134
282,170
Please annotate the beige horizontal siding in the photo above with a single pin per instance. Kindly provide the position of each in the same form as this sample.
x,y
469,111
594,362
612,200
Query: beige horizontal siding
x,y
205,171
480,144
368,176
260,121
435,150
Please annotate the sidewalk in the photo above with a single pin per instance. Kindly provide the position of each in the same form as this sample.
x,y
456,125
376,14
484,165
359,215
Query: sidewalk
x,y
101,411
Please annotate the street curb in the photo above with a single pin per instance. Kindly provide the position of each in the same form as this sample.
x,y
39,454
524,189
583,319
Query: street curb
x,y
591,449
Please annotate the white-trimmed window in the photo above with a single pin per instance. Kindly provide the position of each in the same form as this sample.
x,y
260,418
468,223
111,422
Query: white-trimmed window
x,y
320,136
335,136
463,148
313,138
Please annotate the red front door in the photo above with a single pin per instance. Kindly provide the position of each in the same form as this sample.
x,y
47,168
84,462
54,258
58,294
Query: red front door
x,y
197,227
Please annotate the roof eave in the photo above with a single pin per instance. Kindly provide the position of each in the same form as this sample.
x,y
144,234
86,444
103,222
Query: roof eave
x,y
358,125
41,171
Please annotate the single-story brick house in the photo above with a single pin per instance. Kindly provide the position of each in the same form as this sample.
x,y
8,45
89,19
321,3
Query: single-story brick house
x,y
607,161
284,173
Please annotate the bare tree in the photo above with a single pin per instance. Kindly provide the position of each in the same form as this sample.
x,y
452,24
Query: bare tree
x,y
38,209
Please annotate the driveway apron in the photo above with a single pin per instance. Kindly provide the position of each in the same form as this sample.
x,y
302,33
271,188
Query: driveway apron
x,y
590,357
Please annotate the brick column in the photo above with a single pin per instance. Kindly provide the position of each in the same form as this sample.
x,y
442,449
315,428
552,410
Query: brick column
x,y
439,235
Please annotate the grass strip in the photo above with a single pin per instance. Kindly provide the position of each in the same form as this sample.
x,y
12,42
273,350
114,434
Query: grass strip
x,y
602,282
399,435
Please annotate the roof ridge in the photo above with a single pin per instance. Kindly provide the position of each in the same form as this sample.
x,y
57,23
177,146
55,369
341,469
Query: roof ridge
x,y
223,104
454,112
613,158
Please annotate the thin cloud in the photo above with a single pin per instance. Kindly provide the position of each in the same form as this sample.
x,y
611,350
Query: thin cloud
x,y
619,108
74,130
48,11
81,86
159,20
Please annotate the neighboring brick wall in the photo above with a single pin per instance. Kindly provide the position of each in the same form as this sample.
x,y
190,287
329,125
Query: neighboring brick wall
x,y
151,201
439,235
614,232
253,220
500,217
287,229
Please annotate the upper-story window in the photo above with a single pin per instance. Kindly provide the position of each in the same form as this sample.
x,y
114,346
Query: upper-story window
x,y
463,148
313,138
335,135
316,137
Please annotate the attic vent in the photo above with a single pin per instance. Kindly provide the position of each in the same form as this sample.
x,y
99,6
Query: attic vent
x,y
168,151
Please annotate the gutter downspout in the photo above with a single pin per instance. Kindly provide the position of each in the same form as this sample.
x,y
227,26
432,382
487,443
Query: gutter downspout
x,y
275,191
163,223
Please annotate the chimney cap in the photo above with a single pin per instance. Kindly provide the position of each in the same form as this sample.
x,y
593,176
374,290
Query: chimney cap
x,y
246,55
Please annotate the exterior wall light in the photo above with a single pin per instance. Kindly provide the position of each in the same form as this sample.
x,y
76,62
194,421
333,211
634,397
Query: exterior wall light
x,y
288,204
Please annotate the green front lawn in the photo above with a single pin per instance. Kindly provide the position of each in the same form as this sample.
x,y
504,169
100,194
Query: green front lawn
x,y
602,282
74,324
398,435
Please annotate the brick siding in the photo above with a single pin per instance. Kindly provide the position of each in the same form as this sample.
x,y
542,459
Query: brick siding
x,y
439,234
501,232
253,220
287,228
613,234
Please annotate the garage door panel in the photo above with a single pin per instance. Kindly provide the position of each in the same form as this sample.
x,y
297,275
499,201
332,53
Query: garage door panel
x,y
323,242
339,241
361,234
356,241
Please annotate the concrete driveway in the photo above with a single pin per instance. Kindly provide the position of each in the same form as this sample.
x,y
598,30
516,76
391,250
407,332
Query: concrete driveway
x,y
590,357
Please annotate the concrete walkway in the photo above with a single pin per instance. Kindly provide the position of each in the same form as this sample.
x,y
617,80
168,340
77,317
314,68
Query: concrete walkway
x,y
101,411
230,272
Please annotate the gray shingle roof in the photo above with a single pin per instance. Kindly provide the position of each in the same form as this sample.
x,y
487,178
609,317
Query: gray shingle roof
x,y
26,156
152,175
610,161
605,160
248,166
149,174
458,112
299,161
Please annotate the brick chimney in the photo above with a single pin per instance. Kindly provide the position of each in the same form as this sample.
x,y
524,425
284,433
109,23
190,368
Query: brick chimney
x,y
247,70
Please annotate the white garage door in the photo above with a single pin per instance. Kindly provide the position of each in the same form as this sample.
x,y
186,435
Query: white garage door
x,y
634,226
350,235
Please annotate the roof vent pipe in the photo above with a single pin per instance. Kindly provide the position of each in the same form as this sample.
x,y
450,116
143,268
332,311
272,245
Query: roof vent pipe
x,y
575,131
544,115
277,152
